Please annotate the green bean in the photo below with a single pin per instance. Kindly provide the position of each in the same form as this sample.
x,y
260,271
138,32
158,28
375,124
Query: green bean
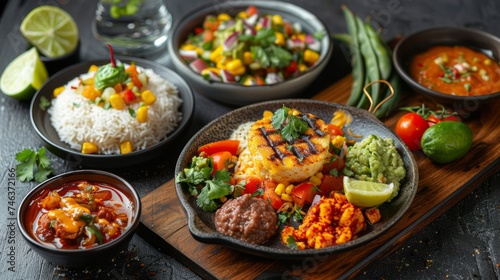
x,y
343,37
371,63
383,58
385,109
358,70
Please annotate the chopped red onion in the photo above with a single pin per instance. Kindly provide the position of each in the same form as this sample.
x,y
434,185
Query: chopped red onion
x,y
227,77
231,42
189,55
198,65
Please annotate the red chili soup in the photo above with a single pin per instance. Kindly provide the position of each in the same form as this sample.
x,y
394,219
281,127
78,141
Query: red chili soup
x,y
456,70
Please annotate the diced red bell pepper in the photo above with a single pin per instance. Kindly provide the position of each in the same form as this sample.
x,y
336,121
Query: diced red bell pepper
x,y
252,184
229,145
292,67
128,96
303,193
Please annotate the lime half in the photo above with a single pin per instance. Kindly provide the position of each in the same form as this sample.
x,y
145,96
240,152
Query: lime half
x,y
51,30
366,194
23,76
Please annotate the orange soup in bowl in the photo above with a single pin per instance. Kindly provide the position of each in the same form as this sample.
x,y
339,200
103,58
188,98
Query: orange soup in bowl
x,y
456,70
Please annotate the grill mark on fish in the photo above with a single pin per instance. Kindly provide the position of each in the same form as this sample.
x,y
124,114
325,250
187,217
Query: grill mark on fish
x,y
311,122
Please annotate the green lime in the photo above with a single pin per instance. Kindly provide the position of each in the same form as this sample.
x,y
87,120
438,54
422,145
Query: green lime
x,y
51,30
366,194
446,141
23,76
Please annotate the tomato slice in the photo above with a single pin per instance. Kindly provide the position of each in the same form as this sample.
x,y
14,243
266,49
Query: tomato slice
x,y
303,193
271,197
230,146
334,130
331,183
221,160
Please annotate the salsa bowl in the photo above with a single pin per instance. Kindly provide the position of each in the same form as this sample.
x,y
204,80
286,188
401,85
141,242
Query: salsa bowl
x,y
79,257
235,93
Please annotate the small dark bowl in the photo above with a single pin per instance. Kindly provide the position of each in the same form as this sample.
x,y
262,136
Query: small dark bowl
x,y
80,257
237,94
420,41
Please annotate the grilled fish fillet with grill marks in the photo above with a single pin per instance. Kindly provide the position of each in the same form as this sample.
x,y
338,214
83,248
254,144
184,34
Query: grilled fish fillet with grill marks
x,y
285,161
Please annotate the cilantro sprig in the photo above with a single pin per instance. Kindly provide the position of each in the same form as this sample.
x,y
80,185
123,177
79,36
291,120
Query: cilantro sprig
x,y
290,126
33,165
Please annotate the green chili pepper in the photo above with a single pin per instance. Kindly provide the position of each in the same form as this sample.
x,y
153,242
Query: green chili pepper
x,y
93,230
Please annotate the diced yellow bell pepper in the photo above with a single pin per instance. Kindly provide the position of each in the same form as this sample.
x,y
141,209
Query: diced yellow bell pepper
x,y
236,67
267,114
199,51
148,97
188,47
277,19
302,37
247,58
116,101
142,114
216,54
58,91
93,68
302,67
310,56
90,92
280,39
242,14
126,147
223,17
89,148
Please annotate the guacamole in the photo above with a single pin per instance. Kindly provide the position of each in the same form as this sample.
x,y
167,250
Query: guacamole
x,y
377,160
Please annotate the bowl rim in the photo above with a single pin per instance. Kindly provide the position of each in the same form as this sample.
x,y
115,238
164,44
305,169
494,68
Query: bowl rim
x,y
402,70
65,177
208,8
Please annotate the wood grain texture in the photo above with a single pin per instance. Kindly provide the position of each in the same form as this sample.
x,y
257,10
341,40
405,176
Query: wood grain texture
x,y
440,187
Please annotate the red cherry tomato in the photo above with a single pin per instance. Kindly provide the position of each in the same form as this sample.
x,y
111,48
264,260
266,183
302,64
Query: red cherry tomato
x,y
433,119
410,128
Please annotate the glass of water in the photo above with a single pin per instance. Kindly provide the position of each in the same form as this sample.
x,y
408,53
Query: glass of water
x,y
132,27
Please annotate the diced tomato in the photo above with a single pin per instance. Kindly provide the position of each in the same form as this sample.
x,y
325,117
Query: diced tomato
x,y
269,184
128,96
334,130
251,10
118,87
271,197
259,80
210,23
221,160
292,67
331,183
229,145
132,70
288,28
208,35
335,162
103,195
252,184
303,193
136,81
198,30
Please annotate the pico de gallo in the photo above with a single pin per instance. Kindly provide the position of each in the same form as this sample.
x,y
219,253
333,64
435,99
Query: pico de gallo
x,y
250,48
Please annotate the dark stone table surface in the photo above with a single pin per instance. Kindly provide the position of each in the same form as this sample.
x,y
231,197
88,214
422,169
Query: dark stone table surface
x,y
464,243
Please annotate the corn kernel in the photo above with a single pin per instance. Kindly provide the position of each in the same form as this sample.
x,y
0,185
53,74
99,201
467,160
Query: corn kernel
x,y
89,148
242,14
279,189
223,17
319,175
130,85
487,62
148,97
286,197
315,180
223,199
280,39
310,56
116,101
247,58
277,19
126,147
302,67
93,68
289,189
338,141
58,91
267,114
142,114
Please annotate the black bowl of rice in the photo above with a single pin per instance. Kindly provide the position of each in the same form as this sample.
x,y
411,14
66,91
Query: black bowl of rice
x,y
65,122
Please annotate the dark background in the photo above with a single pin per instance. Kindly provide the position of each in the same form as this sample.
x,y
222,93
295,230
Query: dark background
x,y
462,244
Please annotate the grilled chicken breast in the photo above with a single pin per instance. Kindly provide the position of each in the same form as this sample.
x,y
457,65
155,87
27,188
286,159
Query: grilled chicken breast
x,y
285,161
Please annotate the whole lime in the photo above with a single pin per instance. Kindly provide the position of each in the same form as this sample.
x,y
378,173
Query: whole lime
x,y
446,141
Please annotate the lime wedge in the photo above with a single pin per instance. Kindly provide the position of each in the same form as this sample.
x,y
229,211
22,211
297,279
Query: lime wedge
x,y
366,194
23,76
51,30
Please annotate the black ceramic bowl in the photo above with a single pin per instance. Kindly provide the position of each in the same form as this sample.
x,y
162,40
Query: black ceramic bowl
x,y
237,94
201,224
40,119
80,257
420,41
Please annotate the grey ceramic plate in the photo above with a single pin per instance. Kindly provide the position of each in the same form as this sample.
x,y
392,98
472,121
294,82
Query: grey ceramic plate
x,y
40,119
201,224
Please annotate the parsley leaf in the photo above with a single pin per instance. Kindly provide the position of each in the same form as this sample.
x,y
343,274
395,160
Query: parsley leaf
x,y
33,165
290,126
213,190
291,243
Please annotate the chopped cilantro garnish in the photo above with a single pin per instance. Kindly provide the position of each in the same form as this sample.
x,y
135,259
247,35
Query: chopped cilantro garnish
x,y
290,126
44,103
29,161
291,243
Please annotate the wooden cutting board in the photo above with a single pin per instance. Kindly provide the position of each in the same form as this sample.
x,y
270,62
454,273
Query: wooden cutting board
x,y
440,187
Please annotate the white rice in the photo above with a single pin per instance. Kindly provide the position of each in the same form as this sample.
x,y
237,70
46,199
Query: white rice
x,y
77,120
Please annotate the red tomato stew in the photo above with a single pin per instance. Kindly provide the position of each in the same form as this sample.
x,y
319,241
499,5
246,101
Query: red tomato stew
x,y
79,214
456,70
